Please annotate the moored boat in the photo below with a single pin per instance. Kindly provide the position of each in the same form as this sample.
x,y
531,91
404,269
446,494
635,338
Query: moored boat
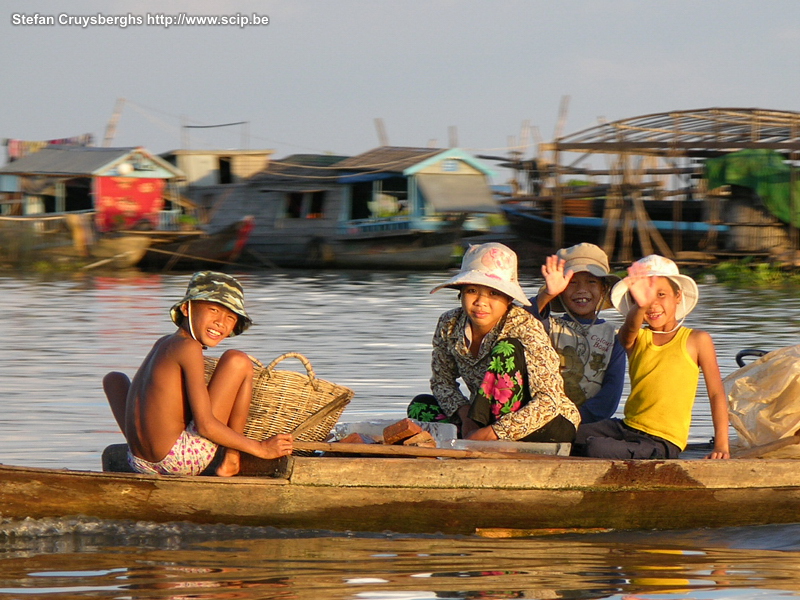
x,y
67,239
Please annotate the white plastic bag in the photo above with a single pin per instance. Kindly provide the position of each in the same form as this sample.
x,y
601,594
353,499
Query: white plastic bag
x,y
764,400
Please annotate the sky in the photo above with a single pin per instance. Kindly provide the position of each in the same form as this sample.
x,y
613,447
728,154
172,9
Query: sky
x,y
319,74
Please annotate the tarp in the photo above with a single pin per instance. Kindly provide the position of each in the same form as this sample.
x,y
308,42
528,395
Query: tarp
x,y
457,193
121,202
764,172
764,399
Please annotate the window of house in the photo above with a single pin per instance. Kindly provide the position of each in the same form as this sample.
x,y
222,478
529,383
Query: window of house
x,y
294,205
317,209
225,170
390,197
360,197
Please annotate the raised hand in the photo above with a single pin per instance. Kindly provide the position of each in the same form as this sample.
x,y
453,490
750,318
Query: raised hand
x,y
555,279
641,285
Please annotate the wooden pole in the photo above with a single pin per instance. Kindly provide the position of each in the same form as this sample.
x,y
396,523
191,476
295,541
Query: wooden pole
x,y
759,451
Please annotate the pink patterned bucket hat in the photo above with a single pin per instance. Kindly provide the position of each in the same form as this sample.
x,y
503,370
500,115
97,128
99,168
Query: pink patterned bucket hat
x,y
493,265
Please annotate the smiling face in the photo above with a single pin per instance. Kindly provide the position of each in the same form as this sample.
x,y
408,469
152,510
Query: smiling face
x,y
211,322
484,306
583,294
660,315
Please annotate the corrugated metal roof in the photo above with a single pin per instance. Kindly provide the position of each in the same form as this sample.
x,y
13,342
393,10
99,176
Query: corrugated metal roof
x,y
74,161
393,159
300,169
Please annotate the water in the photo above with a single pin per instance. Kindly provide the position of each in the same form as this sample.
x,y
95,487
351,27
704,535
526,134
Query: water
x,y
371,332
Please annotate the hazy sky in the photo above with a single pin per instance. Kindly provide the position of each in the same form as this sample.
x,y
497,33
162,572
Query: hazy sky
x,y
317,76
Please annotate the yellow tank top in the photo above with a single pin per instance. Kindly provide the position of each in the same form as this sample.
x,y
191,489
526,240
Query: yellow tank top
x,y
663,387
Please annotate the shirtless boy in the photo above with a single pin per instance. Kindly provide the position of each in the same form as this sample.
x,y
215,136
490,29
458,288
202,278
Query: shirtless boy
x,y
174,422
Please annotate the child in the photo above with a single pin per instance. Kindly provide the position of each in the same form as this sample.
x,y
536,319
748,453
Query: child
x,y
665,360
172,421
502,354
578,283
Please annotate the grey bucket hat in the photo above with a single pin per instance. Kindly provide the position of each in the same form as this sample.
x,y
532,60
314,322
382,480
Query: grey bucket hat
x,y
592,259
211,286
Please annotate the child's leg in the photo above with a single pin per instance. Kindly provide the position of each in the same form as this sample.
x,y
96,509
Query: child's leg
x,y
116,386
231,388
230,391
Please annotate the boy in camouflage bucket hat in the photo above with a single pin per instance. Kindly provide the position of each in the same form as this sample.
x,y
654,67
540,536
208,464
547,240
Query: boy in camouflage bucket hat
x,y
214,287
172,420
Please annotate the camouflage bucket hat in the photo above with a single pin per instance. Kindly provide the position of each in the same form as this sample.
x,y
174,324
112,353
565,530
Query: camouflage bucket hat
x,y
210,286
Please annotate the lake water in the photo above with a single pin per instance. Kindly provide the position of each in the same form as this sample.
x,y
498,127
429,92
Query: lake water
x,y
371,332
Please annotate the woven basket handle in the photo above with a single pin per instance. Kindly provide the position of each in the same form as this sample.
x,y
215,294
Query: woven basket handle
x,y
312,378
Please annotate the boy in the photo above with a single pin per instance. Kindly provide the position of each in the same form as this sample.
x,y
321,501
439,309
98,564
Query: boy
x,y
172,421
578,282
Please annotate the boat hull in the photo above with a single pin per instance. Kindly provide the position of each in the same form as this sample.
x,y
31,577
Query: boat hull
x,y
407,250
453,496
537,226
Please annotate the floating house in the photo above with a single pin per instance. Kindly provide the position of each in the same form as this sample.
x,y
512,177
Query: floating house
x,y
120,186
391,207
85,195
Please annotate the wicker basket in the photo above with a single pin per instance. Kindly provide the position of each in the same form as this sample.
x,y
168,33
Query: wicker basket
x,y
284,400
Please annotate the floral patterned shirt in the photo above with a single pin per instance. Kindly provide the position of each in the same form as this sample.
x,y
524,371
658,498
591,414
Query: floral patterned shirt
x,y
451,359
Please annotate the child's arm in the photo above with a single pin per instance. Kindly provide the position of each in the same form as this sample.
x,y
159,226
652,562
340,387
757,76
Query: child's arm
x,y
605,402
643,292
444,372
707,359
555,280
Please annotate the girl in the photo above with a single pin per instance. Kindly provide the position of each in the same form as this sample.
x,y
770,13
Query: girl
x,y
665,361
502,354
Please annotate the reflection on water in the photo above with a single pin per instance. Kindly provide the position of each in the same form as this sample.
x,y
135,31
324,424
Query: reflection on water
x,y
371,332
129,560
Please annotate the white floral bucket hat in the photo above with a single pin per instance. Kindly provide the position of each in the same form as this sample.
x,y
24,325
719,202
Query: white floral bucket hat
x,y
493,265
658,266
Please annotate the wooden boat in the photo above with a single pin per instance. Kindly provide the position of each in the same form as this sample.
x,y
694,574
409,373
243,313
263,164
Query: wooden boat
x,y
67,239
427,495
532,220
196,248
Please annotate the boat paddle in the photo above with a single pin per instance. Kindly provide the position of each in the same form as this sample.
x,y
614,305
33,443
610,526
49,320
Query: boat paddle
x,y
320,415
759,451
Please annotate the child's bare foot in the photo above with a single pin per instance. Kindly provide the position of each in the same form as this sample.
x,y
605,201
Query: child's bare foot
x,y
230,465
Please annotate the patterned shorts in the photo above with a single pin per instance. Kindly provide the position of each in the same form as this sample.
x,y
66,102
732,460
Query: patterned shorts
x,y
190,455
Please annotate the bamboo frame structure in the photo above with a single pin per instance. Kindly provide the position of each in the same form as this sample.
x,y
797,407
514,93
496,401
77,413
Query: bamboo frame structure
x,y
660,156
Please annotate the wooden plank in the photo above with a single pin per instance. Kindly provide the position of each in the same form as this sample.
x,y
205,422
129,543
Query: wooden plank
x,y
412,451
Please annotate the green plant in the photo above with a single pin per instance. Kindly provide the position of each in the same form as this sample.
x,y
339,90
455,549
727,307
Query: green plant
x,y
749,273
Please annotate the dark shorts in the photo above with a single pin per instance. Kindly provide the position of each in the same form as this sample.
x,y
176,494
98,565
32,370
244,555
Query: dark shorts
x,y
612,438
